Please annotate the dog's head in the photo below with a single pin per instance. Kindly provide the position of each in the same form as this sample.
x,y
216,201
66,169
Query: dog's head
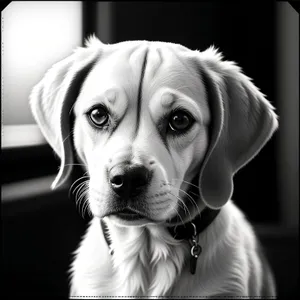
x,y
152,119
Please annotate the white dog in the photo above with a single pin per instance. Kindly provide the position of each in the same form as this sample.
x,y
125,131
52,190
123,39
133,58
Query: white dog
x,y
161,130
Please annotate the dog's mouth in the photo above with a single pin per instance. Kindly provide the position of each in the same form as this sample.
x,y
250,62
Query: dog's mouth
x,y
128,214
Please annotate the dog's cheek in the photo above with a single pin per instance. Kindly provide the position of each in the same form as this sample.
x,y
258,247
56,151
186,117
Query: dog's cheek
x,y
183,159
189,158
197,153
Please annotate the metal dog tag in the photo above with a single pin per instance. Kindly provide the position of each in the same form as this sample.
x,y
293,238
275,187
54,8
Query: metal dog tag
x,y
195,252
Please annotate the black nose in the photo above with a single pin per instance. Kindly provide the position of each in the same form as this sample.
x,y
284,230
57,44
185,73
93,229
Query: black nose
x,y
129,180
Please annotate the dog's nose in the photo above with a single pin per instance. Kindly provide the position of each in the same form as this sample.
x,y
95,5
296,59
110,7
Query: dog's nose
x,y
129,180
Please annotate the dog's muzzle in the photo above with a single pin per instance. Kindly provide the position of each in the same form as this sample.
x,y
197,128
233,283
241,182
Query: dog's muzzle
x,y
129,180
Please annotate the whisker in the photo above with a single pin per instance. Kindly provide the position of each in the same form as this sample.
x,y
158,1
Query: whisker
x,y
192,199
182,202
79,187
68,136
84,202
82,177
79,199
194,194
86,205
189,196
186,210
177,213
90,212
187,182
75,165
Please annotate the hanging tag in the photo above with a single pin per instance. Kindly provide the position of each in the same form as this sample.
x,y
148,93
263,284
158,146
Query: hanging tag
x,y
193,264
195,252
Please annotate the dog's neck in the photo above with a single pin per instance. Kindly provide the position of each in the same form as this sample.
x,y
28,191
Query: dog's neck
x,y
141,255
185,231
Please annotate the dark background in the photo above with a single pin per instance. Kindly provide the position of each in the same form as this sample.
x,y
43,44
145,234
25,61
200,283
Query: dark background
x,y
40,233
244,33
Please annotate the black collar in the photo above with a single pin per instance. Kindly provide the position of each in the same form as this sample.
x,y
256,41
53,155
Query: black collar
x,y
201,222
182,232
189,231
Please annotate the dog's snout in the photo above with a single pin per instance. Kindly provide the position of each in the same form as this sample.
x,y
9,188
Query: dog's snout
x,y
129,180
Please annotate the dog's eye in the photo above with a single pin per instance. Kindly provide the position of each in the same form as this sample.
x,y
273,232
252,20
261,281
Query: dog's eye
x,y
98,116
180,120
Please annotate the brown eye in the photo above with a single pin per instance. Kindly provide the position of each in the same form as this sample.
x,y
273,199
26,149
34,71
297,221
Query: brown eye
x,y
99,116
180,121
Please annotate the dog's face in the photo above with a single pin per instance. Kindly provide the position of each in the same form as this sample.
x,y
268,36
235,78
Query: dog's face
x,y
150,117
142,133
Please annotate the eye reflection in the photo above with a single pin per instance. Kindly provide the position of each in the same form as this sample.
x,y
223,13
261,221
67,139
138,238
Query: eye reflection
x,y
180,121
99,116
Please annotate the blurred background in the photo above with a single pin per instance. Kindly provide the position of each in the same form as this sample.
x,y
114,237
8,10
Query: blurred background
x,y
41,228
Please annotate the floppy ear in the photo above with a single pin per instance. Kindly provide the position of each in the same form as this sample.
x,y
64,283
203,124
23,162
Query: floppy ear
x,y
52,99
242,122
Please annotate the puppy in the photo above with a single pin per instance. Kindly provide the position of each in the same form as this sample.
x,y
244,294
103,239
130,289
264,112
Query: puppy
x,y
161,130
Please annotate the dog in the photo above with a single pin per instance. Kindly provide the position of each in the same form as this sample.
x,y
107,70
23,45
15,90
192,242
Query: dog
x,y
160,130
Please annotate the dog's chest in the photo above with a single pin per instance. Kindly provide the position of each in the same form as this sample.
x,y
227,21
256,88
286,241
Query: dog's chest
x,y
144,263
147,263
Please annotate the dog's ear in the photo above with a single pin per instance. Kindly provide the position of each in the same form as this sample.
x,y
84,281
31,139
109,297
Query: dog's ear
x,y
52,100
242,122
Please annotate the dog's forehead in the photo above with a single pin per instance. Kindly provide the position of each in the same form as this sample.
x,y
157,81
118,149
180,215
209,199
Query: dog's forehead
x,y
143,67
171,67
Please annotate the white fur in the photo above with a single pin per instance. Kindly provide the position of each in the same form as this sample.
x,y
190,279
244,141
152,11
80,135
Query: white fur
x,y
151,263
147,261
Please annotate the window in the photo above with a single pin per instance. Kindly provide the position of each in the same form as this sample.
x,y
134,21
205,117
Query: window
x,y
35,35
